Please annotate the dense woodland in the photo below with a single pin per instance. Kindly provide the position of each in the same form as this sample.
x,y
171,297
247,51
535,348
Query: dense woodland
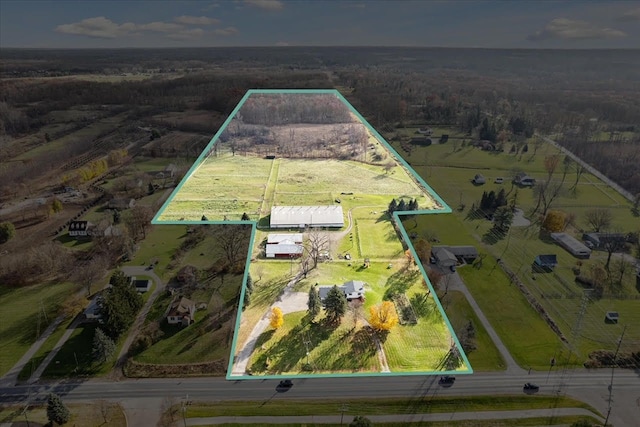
x,y
492,94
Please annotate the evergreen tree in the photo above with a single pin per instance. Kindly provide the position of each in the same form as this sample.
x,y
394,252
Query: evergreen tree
x,y
393,206
402,206
247,292
119,306
150,188
525,148
360,421
7,231
483,201
204,218
245,217
314,302
56,411
501,199
103,346
116,216
335,304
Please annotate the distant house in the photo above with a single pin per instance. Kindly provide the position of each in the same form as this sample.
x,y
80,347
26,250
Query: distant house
x,y
425,131
548,261
478,179
611,317
181,311
121,204
572,245
600,240
169,171
444,257
464,254
352,289
524,180
141,285
80,228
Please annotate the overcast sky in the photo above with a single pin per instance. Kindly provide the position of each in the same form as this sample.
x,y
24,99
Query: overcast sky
x,y
487,24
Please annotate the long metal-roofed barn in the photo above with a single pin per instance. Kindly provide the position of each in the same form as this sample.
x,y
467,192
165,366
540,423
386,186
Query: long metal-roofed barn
x,y
306,216
572,245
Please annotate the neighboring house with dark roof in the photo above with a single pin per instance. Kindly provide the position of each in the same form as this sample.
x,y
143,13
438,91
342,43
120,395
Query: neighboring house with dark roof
x,y
461,255
546,261
353,289
444,257
141,285
80,228
121,204
181,311
478,179
600,240
524,180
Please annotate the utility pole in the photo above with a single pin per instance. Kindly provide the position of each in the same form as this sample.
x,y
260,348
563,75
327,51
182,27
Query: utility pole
x,y
575,336
343,408
613,368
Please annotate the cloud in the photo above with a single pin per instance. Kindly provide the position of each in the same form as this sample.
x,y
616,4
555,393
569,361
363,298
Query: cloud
x,y
567,29
161,27
190,34
630,15
229,31
196,20
266,4
98,27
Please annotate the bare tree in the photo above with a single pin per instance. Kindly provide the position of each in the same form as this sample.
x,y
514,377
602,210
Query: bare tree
x,y
88,273
580,169
139,221
612,242
317,242
599,219
233,241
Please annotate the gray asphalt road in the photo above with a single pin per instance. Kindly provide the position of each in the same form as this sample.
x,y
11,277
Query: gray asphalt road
x,y
589,386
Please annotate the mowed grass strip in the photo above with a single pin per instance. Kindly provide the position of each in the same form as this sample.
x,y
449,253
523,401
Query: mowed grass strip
x,y
378,239
26,313
385,406
97,413
486,356
529,339
513,422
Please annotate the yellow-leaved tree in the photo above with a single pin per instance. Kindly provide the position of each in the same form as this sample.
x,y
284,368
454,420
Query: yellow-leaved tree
x,y
277,319
555,221
383,316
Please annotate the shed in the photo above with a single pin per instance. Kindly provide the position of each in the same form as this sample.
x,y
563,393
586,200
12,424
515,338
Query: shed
x,y
546,261
572,245
611,317
478,179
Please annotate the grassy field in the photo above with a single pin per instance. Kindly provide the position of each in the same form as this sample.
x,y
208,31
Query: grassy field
x,y
514,422
43,351
229,186
160,243
486,356
26,313
386,406
449,172
202,341
74,358
92,414
403,355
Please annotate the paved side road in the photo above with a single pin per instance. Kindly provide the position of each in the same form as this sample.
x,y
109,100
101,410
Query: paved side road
x,y
400,418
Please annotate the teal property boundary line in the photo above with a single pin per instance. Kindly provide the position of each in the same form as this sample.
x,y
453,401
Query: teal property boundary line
x,y
444,208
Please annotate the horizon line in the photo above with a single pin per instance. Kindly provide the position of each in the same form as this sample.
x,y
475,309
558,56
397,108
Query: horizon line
x,y
316,46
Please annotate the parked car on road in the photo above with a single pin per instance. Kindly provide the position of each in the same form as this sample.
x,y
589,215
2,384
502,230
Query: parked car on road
x,y
531,387
447,379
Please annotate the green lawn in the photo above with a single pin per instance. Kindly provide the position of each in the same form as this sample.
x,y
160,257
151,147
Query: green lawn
x,y
161,242
514,422
437,404
449,173
74,358
100,413
332,349
26,313
377,239
486,356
